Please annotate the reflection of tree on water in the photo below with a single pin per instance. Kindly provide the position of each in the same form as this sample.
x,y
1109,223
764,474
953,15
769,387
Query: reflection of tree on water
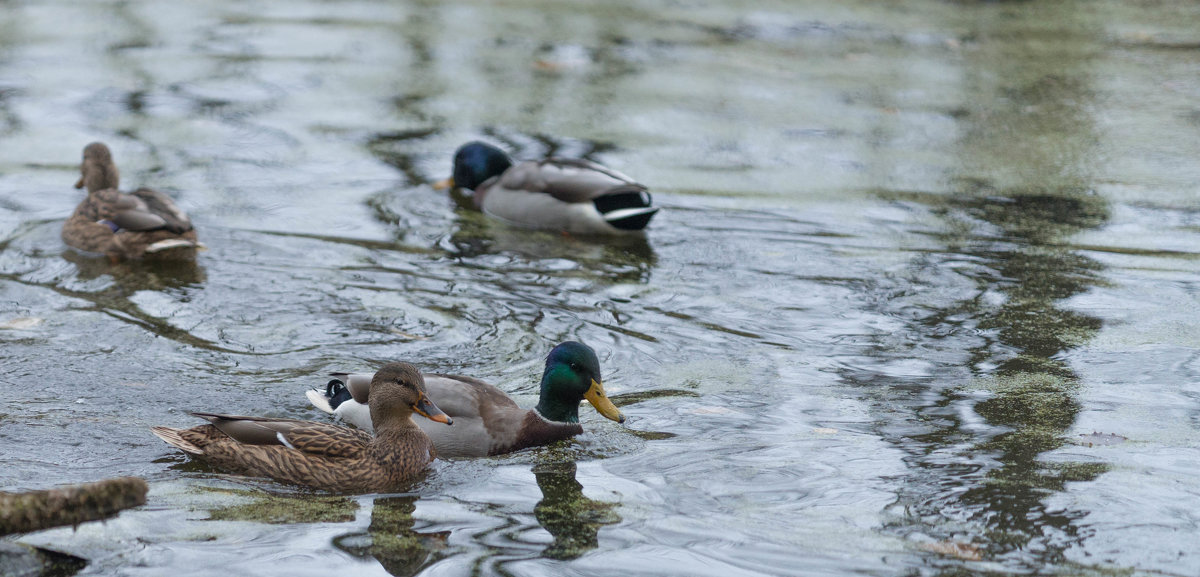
x,y
573,519
1033,393
132,276
128,278
619,259
989,485
1025,151
391,540
1031,158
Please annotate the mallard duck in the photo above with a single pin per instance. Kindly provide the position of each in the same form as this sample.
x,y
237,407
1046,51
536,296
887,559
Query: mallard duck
x,y
486,421
132,226
321,455
564,194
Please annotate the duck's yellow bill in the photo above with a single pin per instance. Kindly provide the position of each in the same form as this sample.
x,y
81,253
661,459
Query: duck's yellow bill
x,y
595,395
427,409
444,184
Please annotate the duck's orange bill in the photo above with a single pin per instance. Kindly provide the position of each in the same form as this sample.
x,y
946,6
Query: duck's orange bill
x,y
595,395
443,184
427,409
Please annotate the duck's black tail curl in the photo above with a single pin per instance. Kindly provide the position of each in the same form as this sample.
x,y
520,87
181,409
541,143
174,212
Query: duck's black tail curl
x,y
626,209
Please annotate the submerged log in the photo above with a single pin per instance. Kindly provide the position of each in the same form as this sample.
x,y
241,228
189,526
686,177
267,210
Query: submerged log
x,y
37,510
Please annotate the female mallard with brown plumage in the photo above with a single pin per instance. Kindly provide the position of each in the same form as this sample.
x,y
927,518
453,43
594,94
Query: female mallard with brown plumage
x,y
320,455
486,421
566,194
125,225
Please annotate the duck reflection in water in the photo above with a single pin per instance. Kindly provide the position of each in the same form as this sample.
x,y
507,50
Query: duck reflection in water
x,y
573,519
179,276
132,276
391,540
619,258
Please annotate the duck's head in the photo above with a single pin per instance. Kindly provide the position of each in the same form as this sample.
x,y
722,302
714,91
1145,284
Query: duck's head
x,y
97,172
475,162
572,375
398,391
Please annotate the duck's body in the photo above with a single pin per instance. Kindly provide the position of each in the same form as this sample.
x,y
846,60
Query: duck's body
x,y
486,421
564,194
320,455
125,225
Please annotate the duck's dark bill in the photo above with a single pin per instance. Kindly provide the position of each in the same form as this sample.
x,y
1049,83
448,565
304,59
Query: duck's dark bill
x,y
430,411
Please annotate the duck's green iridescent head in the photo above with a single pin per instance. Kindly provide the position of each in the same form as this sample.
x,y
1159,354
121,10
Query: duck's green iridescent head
x,y
475,162
572,375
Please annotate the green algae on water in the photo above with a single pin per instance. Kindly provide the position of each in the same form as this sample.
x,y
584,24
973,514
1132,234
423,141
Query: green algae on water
x,y
284,509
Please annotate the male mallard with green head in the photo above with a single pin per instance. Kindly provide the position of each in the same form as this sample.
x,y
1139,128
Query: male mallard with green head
x,y
486,421
324,456
564,194
120,225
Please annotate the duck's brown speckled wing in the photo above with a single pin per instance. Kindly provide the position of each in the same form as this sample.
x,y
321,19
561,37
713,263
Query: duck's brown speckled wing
x,y
306,436
98,205
86,234
568,179
329,440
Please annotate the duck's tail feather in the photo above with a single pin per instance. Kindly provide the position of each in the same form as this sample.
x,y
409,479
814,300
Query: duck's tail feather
x,y
630,218
173,438
626,208
318,400
171,243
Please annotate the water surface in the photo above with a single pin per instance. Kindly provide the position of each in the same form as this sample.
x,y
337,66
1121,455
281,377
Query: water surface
x,y
920,299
